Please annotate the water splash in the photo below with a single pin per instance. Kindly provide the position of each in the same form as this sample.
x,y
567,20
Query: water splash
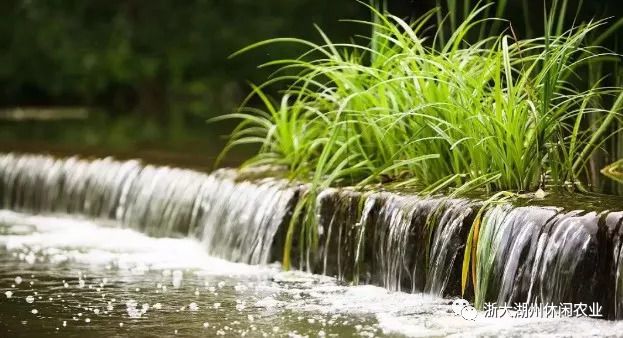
x,y
235,220
403,243
524,253
337,213
399,241
549,255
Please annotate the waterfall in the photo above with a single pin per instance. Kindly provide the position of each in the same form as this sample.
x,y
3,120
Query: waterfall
x,y
235,220
550,255
615,287
534,254
403,242
337,214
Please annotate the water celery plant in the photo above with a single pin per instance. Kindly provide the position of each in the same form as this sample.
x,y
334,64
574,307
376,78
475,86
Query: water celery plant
x,y
440,112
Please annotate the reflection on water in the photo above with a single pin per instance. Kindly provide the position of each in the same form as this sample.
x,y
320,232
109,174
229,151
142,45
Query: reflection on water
x,y
68,277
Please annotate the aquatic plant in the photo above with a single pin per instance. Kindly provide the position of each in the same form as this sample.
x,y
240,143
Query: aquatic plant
x,y
414,107
614,171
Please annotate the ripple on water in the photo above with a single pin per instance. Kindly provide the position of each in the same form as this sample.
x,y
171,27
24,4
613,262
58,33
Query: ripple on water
x,y
120,282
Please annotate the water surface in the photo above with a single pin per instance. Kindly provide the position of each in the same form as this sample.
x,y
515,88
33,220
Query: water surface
x,y
62,276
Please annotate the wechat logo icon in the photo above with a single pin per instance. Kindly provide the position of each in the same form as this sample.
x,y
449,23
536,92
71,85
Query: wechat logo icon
x,y
462,308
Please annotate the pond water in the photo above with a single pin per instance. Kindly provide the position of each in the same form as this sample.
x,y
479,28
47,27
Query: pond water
x,y
62,276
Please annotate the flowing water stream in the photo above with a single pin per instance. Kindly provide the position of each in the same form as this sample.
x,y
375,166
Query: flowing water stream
x,y
105,248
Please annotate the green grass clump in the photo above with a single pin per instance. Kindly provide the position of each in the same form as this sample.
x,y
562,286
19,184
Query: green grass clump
x,y
416,107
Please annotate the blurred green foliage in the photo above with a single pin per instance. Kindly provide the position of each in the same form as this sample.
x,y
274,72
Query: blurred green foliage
x,y
165,62
157,69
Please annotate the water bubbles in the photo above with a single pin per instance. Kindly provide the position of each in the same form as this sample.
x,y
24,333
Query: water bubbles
x,y
30,258
206,325
217,305
267,302
220,284
131,309
321,333
65,285
64,323
120,324
157,306
96,311
81,283
34,311
177,278
134,313
30,299
8,294
87,320
18,280
109,307
144,308
240,288
193,306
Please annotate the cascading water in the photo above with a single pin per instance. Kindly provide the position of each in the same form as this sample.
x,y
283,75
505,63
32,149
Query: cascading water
x,y
390,236
548,255
399,241
337,214
615,287
450,233
527,254
235,220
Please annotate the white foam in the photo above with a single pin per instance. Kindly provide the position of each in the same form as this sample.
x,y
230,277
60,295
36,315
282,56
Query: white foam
x,y
84,241
65,239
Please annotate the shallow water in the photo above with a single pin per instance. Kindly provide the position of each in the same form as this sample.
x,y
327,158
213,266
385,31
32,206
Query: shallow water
x,y
62,276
